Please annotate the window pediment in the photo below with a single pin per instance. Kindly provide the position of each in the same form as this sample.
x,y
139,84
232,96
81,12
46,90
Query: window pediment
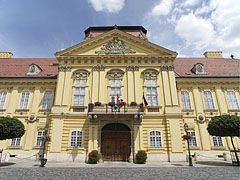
x,y
115,74
81,74
150,74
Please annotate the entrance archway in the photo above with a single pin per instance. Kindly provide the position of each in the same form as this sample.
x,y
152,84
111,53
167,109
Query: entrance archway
x,y
115,142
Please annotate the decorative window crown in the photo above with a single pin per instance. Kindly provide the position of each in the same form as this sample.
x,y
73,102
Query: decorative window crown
x,y
115,74
81,74
150,74
33,70
198,69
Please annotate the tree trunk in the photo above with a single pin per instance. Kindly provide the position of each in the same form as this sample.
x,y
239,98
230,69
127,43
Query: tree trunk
x,y
235,151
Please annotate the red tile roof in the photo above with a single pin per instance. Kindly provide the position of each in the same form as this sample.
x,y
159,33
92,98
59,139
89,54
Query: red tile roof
x,y
18,67
214,67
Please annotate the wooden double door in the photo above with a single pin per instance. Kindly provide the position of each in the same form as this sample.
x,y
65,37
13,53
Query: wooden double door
x,y
116,142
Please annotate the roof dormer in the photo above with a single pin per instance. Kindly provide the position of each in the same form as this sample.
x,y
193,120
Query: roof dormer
x,y
198,68
33,70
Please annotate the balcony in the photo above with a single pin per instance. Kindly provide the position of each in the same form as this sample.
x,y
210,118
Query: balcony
x,y
124,111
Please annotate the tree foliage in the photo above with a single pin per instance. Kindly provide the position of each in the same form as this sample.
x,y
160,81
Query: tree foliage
x,y
10,128
225,125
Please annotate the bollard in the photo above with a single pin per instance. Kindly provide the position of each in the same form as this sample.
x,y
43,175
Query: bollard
x,y
195,156
225,156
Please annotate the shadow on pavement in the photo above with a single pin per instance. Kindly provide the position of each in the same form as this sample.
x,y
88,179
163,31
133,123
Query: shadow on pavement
x,y
213,163
6,164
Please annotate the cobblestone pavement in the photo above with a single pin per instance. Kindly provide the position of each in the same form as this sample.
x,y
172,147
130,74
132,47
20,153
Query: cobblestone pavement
x,y
115,173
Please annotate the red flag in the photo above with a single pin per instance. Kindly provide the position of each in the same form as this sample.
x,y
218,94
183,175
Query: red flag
x,y
117,97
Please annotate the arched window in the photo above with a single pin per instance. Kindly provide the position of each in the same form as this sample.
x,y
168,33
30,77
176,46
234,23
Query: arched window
x,y
155,138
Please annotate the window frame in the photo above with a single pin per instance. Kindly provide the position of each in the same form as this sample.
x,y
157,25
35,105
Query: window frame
x,y
150,96
217,140
185,103
14,144
208,103
23,107
39,138
231,102
48,104
116,85
194,138
81,85
70,138
155,139
2,103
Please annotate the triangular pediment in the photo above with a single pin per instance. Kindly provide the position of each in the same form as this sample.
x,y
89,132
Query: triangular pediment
x,y
116,42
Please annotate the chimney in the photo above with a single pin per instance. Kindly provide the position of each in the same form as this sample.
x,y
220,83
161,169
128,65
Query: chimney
x,y
213,54
5,55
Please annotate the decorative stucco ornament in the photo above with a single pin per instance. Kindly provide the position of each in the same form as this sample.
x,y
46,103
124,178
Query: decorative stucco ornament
x,y
115,46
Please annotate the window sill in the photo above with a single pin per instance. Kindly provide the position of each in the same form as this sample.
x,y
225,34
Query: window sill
x,y
234,110
37,147
1,110
74,148
187,110
14,147
194,148
210,110
156,148
22,110
219,148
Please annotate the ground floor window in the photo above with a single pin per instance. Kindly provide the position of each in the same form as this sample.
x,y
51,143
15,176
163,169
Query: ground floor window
x,y
76,139
155,138
217,141
193,142
40,134
16,142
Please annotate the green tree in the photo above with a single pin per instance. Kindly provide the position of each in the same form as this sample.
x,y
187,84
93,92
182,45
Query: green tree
x,y
225,125
10,128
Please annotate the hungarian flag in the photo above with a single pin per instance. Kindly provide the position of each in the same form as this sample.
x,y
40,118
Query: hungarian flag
x,y
145,101
117,97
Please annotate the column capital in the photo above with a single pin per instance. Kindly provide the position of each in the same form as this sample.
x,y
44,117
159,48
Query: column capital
x,y
61,68
130,68
68,68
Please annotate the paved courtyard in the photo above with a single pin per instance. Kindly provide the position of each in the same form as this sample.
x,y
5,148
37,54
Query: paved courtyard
x,y
203,170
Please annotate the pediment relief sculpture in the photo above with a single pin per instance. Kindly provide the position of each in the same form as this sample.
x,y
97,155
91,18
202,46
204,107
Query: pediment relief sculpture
x,y
150,74
115,74
81,74
115,46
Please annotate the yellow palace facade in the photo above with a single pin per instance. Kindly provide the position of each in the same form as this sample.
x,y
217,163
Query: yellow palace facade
x,y
91,96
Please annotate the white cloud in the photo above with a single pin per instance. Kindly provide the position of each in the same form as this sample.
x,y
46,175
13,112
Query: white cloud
x,y
196,31
163,8
188,3
112,6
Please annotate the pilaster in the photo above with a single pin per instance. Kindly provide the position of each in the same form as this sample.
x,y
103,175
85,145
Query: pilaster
x,y
56,135
221,100
172,82
166,87
95,83
60,83
13,100
67,86
102,84
130,84
137,85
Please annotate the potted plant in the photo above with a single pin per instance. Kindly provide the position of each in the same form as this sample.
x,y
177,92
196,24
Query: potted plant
x,y
97,103
111,103
187,137
93,157
122,103
133,103
141,157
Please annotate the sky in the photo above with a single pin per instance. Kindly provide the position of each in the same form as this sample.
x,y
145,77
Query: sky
x,y
34,29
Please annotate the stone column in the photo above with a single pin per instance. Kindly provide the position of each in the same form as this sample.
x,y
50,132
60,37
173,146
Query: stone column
x,y
166,87
95,86
67,86
102,84
60,83
137,85
202,125
130,85
221,100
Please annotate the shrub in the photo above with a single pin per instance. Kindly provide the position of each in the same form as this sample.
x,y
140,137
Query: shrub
x,y
93,157
97,103
187,137
122,103
111,103
133,103
141,157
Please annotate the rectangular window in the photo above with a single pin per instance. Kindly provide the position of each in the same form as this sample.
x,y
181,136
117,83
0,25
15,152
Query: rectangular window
x,y
115,90
208,100
151,92
79,93
47,100
3,96
155,139
193,142
24,100
76,139
185,98
232,100
217,141
40,134
16,142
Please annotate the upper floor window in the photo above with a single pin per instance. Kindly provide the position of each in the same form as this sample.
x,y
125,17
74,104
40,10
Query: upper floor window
x,y
185,98
76,139
232,100
217,141
3,96
115,90
208,100
79,92
24,100
40,134
16,141
155,138
151,92
193,141
47,100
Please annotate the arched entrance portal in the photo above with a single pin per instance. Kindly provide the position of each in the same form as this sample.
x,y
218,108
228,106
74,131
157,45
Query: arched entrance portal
x,y
115,142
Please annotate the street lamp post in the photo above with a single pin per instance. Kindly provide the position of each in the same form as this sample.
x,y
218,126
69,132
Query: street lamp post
x,y
44,160
189,153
